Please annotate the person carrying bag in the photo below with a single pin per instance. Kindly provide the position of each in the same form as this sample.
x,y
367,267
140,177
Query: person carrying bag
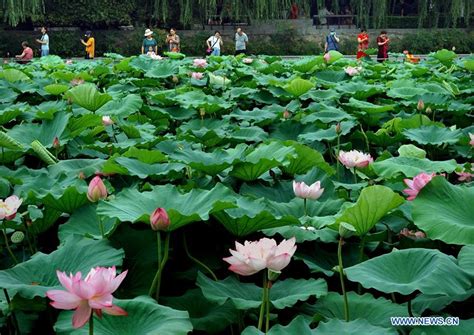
x,y
214,44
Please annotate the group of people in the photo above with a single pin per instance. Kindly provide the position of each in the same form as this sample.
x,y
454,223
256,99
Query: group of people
x,y
27,53
214,43
332,43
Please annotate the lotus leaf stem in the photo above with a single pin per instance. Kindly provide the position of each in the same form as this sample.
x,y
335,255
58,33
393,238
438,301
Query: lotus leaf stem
x,y
341,277
7,246
197,261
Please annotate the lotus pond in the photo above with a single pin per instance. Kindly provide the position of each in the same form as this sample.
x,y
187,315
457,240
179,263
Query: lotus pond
x,y
143,178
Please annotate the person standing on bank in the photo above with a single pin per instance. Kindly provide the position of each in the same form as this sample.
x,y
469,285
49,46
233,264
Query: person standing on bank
x,y
214,44
89,43
332,42
148,42
173,41
241,40
382,43
363,40
44,41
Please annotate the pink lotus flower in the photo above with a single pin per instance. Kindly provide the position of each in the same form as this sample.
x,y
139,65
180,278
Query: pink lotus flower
x,y
354,158
107,121
465,176
415,235
417,184
9,207
159,219
96,190
94,293
286,114
352,71
308,192
247,60
471,136
199,62
327,57
197,75
251,257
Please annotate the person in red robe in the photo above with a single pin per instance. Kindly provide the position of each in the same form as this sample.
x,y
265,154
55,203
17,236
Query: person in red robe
x,y
363,40
294,11
382,44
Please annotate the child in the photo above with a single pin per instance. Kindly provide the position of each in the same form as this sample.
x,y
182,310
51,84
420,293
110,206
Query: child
x,y
151,53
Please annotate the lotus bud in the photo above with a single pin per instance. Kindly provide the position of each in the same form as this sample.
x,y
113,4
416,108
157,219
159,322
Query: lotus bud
x,y
175,79
56,143
428,110
421,105
96,190
107,121
159,219
453,48
338,128
202,112
286,114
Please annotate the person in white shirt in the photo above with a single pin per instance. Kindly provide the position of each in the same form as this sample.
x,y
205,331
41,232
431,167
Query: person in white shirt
x,y
241,40
44,41
214,44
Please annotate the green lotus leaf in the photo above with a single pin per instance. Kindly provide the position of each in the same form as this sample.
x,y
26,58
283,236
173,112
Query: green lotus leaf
x,y
410,150
360,326
406,92
469,64
305,160
284,293
37,275
216,80
433,135
210,163
411,166
262,159
334,56
7,96
325,114
121,107
359,90
410,270
298,326
162,69
369,107
306,64
56,89
320,95
252,215
26,133
445,212
377,311
87,96
373,204
85,222
14,75
444,56
328,134
299,86
438,302
174,55
145,316
205,315
183,208
142,170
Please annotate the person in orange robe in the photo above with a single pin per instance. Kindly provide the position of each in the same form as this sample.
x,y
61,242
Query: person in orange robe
x,y
363,40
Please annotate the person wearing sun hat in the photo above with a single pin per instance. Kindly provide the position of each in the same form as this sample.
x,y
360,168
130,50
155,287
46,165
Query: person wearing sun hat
x,y
148,42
